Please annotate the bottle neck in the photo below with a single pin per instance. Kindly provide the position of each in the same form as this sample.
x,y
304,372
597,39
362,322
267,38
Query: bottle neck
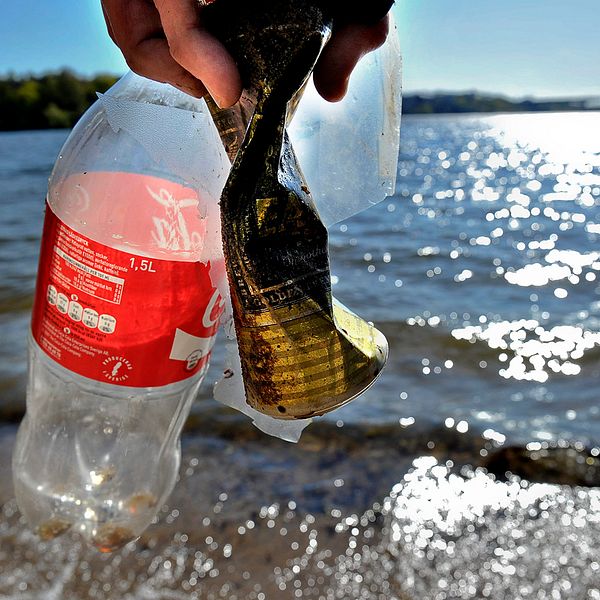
x,y
276,45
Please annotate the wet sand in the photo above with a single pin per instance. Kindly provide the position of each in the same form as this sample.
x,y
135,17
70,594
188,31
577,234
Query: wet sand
x,y
350,512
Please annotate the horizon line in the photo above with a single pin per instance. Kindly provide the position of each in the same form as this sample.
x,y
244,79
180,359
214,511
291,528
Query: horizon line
x,y
406,92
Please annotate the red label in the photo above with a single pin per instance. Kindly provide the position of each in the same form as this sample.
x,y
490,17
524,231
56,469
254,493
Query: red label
x,y
119,317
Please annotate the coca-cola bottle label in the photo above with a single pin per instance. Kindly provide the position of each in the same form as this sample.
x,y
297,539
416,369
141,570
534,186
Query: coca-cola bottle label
x,y
126,317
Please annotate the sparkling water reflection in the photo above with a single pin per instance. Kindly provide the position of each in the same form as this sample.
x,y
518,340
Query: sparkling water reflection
x,y
442,532
468,536
491,241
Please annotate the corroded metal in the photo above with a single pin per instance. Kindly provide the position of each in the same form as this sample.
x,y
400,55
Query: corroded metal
x,y
302,353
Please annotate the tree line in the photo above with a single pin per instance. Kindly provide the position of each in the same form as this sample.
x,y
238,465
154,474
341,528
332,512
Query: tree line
x,y
476,103
57,100
49,101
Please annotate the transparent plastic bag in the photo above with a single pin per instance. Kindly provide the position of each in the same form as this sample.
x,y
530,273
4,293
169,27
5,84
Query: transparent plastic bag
x,y
348,153
348,150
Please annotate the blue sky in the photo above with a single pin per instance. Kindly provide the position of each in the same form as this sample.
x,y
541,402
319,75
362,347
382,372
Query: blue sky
x,y
544,48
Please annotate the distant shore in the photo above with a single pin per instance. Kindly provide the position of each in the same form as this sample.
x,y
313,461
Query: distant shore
x,y
57,100
478,103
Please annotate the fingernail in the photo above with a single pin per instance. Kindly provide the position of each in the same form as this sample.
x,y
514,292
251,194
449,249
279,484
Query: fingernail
x,y
219,101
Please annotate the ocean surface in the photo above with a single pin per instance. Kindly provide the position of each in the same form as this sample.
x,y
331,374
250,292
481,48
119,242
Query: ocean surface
x,y
470,470
482,271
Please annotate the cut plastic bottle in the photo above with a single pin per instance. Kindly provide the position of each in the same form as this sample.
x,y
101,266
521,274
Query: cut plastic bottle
x,y
126,311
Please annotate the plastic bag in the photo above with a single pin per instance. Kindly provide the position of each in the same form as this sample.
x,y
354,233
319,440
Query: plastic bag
x,y
348,153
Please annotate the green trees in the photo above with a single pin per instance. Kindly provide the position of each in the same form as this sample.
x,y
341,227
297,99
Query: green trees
x,y
477,103
49,101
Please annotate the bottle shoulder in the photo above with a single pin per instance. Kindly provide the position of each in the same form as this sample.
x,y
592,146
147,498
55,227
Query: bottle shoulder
x,y
143,177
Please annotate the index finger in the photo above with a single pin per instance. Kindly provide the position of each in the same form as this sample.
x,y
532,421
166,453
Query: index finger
x,y
199,52
348,44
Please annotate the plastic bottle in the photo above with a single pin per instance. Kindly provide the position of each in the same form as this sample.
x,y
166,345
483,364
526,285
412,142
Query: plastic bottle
x,y
126,310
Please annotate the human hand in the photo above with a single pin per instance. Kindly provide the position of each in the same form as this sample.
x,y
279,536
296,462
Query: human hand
x,y
164,40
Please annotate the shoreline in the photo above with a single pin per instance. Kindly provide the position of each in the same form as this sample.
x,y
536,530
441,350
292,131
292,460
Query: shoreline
x,y
258,518
370,458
